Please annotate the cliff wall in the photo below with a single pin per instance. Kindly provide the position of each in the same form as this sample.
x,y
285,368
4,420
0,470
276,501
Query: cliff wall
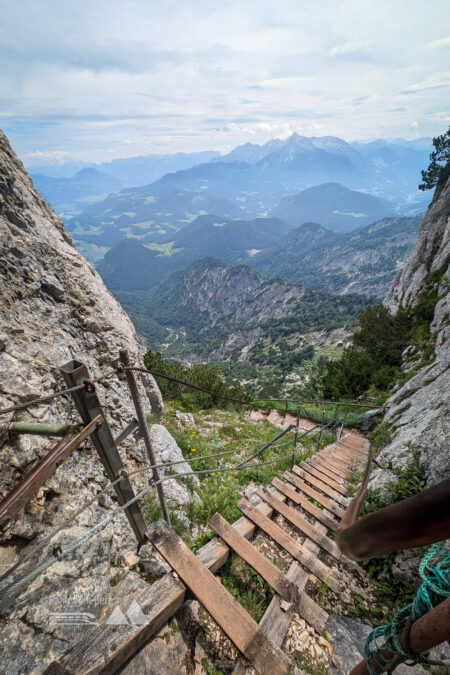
x,y
54,307
419,411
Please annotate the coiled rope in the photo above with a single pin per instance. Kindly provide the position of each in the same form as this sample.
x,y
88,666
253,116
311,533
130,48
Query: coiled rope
x,y
388,646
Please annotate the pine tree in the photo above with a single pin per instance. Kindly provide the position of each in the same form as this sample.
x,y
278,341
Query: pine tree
x,y
439,168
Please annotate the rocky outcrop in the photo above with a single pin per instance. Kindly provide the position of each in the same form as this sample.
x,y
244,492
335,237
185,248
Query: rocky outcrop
x,y
54,307
348,638
419,411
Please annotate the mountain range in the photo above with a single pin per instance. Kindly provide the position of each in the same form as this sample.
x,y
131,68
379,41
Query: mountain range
x,y
362,261
250,182
70,196
217,310
136,265
333,206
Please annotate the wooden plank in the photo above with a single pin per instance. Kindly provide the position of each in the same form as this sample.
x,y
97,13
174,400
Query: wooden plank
x,y
331,482
322,516
300,523
322,466
325,470
215,553
226,611
27,487
336,462
313,564
335,465
300,484
275,622
107,647
344,472
320,485
302,603
118,646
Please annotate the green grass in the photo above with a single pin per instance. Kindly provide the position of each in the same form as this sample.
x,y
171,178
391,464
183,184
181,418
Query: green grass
x,y
221,491
247,586
74,294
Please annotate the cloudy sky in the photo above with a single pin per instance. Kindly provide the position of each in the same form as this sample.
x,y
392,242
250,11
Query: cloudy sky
x,y
97,79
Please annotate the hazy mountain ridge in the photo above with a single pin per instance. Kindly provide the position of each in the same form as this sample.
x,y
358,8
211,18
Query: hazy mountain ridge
x,y
333,206
133,265
69,196
251,181
362,261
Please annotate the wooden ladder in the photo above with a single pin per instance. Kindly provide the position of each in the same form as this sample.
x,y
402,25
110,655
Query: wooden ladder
x,y
320,478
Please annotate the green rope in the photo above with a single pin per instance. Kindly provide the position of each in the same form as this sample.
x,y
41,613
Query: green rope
x,y
434,589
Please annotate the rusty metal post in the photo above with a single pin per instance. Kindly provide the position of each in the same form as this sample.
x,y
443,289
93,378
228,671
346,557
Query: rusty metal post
x,y
132,385
47,466
336,417
88,406
294,449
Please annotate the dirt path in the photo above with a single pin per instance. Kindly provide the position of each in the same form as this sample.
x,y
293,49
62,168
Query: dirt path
x,y
281,420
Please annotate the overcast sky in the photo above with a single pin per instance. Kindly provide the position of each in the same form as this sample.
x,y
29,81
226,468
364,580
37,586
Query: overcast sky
x,y
97,79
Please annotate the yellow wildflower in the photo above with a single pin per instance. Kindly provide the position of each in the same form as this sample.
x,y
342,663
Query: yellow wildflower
x,y
193,449
212,474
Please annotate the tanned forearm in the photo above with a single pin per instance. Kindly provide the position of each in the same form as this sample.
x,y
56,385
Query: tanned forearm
x,y
417,521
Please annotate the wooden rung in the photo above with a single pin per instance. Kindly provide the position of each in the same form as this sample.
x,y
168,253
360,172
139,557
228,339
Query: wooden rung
x,y
302,603
325,466
106,647
334,452
325,479
326,471
336,464
321,515
300,523
300,484
311,562
320,485
226,611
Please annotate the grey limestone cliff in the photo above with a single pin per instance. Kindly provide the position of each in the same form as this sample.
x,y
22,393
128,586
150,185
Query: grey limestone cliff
x,y
419,411
54,307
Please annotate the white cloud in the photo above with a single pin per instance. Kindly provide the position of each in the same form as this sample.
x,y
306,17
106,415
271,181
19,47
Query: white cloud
x,y
109,77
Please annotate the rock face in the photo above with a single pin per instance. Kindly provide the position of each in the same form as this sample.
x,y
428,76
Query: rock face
x,y
231,312
54,307
348,638
419,410
166,450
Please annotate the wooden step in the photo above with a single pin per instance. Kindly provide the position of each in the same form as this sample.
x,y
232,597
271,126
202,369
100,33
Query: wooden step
x,y
334,463
104,650
300,523
300,484
325,471
324,479
309,561
302,603
304,474
226,611
276,620
323,465
321,515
